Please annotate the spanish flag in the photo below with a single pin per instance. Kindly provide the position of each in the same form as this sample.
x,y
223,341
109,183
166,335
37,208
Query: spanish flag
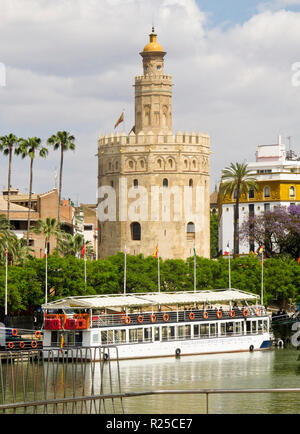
x,y
156,251
61,342
121,119
261,249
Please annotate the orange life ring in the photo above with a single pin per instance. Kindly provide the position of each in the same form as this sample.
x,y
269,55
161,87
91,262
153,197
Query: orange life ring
x,y
33,344
166,317
153,318
10,345
37,334
245,313
258,312
219,314
140,319
22,344
232,314
127,320
14,332
205,315
192,316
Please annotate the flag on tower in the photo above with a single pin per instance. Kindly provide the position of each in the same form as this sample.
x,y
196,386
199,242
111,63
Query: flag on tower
x,y
121,119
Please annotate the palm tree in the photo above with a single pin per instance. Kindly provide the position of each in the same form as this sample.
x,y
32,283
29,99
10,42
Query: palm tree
x,y
30,147
47,228
73,245
235,181
7,144
64,141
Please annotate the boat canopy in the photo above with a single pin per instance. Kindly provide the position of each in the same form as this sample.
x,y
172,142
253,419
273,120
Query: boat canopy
x,y
151,299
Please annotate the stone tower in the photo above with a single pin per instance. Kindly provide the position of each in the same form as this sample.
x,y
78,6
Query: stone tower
x,y
153,185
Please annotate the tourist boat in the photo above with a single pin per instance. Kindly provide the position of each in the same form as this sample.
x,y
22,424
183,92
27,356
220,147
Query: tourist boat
x,y
157,324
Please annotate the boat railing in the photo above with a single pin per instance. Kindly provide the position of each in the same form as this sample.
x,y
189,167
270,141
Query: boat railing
x,y
176,316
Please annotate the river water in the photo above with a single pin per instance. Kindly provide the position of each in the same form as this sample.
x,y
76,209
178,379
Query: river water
x,y
276,368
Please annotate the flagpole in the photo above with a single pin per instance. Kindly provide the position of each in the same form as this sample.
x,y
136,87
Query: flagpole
x,y
125,269
46,274
262,279
229,271
5,311
194,268
84,271
158,274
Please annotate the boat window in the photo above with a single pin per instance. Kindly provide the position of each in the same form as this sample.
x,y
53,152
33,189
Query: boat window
x,y
265,326
259,325
156,334
53,339
196,331
95,338
140,335
148,334
164,333
103,338
188,331
237,327
204,330
222,329
212,330
107,337
120,336
229,328
253,326
248,326
133,335
180,331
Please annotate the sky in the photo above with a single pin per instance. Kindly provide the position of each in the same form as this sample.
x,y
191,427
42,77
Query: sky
x,y
70,65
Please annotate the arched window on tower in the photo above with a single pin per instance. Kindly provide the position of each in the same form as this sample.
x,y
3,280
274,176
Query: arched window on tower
x,y
135,229
190,231
135,183
165,182
191,183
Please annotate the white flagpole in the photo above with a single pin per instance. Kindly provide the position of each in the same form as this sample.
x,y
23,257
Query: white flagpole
x,y
229,271
262,279
46,274
158,275
5,312
194,268
125,269
85,271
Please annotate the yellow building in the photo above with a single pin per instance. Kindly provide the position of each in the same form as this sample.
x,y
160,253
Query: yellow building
x,y
278,177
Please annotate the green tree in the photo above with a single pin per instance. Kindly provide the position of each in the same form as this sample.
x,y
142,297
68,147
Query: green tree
x,y
7,145
236,180
68,244
214,235
63,141
47,228
30,148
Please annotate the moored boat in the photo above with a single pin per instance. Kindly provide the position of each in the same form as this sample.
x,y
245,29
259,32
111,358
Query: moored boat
x,y
140,325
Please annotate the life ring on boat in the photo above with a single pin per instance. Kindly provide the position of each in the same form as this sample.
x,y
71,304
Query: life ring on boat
x,y
232,314
251,348
177,352
140,319
166,317
33,344
22,344
219,314
205,315
37,334
127,320
245,313
14,332
153,318
257,312
192,316
10,345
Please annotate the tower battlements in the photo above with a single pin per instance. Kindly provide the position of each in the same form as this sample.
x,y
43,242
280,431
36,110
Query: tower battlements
x,y
150,138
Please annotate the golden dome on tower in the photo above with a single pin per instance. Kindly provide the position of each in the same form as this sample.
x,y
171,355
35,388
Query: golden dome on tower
x,y
153,45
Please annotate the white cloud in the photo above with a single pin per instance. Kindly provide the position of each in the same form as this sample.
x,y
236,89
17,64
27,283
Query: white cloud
x,y
71,65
